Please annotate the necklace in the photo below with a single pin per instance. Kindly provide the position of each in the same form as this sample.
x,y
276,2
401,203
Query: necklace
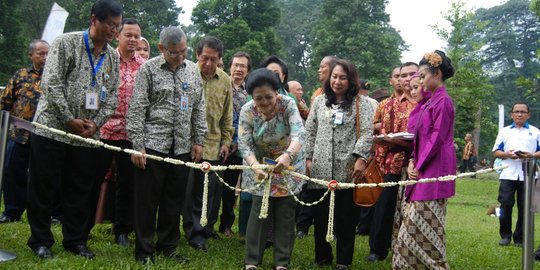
x,y
270,115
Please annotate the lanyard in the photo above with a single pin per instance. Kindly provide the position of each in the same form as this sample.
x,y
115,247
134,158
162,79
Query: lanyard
x,y
99,64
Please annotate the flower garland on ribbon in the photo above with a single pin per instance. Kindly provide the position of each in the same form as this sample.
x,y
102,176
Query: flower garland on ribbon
x,y
266,196
433,58
206,167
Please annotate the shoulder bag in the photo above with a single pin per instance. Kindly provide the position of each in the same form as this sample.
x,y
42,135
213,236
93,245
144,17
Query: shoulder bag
x,y
367,196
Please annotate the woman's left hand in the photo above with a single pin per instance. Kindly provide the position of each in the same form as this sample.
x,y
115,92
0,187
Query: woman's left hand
x,y
283,162
359,167
412,172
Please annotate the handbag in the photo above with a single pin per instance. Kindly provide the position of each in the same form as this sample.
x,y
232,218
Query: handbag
x,y
367,196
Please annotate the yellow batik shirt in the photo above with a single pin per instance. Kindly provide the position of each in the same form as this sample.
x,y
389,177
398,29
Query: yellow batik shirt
x,y
219,113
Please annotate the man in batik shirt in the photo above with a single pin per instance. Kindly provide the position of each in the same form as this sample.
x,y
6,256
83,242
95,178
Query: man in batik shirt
x,y
114,132
219,115
166,118
395,116
240,66
20,98
79,87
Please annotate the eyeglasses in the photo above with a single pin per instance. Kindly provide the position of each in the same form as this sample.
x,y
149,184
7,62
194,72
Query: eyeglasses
x,y
242,66
113,26
210,59
174,54
520,112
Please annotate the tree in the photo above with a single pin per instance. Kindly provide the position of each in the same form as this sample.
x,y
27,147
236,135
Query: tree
x,y
470,88
297,29
22,21
241,25
512,40
358,30
11,36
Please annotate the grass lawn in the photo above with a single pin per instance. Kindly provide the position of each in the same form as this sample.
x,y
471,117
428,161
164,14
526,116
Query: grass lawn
x,y
472,238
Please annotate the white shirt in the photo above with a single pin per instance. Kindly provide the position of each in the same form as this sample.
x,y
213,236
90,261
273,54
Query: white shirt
x,y
526,138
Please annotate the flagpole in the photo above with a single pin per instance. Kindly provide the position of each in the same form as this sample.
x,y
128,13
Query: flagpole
x,y
4,126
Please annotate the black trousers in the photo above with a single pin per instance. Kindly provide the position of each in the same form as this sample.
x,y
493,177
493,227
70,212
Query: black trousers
x,y
364,220
467,165
345,218
159,191
305,214
508,190
228,198
380,234
15,178
123,206
198,234
55,165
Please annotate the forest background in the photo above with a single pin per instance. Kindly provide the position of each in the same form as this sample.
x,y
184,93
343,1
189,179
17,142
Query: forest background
x,y
495,51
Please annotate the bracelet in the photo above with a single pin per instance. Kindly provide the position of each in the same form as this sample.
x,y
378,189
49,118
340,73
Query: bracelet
x,y
290,154
361,158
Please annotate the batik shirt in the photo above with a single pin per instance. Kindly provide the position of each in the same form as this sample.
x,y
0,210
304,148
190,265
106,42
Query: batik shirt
x,y
395,118
271,138
21,98
67,86
334,148
115,127
219,113
240,97
167,107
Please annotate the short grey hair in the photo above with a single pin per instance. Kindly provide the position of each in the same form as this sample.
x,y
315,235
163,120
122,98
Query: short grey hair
x,y
171,35
34,43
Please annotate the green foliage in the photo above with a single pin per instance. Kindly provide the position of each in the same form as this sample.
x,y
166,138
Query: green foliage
x,y
510,55
470,88
358,30
241,25
25,20
535,7
296,29
13,55
472,238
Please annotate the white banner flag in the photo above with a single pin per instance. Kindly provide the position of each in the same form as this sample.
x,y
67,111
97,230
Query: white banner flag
x,y
501,116
55,23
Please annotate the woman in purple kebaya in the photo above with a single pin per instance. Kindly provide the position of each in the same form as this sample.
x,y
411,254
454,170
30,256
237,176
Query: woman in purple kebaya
x,y
421,239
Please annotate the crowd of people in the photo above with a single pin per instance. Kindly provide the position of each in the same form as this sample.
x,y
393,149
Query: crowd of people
x,y
171,107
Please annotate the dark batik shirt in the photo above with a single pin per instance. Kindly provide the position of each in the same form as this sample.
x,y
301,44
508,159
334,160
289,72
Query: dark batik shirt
x,y
20,98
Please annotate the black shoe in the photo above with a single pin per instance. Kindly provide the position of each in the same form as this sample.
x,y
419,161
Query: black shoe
x,y
214,236
178,258
325,262
43,252
301,234
373,257
504,242
81,250
122,240
342,267
537,254
518,244
6,219
145,259
199,247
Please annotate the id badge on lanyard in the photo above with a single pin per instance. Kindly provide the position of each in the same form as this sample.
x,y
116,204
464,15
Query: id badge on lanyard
x,y
338,118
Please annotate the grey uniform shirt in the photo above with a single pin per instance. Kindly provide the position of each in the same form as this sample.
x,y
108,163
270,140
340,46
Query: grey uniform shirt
x,y
156,116
66,85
